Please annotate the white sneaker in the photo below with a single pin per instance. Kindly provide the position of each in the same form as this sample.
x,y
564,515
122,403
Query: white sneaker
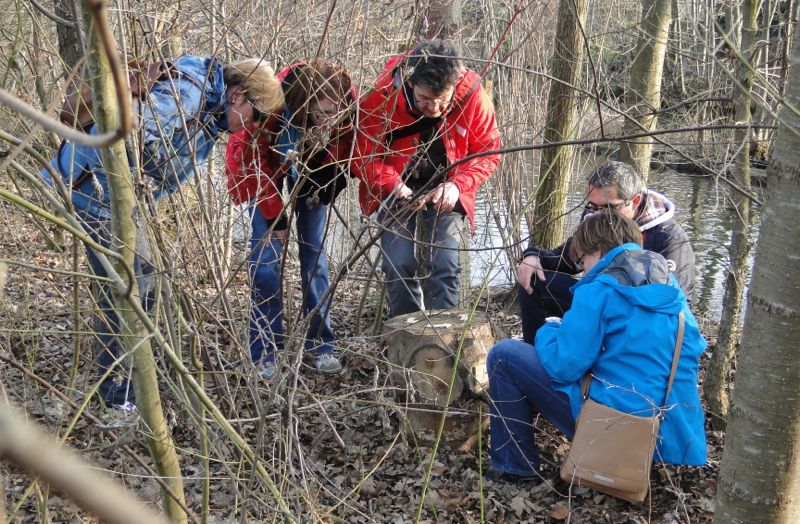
x,y
125,408
328,364
267,370
119,416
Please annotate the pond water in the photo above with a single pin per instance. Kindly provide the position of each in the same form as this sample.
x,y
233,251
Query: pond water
x,y
701,210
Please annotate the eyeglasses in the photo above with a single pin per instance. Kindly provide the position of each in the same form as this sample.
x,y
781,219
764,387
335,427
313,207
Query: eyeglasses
x,y
320,116
258,115
423,100
594,208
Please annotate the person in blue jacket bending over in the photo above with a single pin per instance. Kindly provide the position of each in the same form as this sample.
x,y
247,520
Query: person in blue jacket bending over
x,y
622,328
180,118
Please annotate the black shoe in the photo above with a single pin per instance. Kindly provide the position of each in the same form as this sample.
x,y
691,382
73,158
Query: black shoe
x,y
510,478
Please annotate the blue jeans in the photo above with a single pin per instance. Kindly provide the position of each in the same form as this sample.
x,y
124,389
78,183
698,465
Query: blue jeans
x,y
266,317
550,298
441,264
519,388
117,387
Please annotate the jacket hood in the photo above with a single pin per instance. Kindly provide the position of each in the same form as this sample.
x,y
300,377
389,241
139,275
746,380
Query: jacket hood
x,y
656,209
640,277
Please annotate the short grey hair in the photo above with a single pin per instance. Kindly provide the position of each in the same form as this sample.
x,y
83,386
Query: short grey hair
x,y
624,176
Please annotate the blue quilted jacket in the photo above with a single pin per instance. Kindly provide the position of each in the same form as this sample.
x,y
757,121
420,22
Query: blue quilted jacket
x,y
622,326
180,119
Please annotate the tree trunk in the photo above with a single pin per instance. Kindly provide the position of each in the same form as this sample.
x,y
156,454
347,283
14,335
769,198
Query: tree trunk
x,y
678,58
440,18
561,124
70,39
759,478
643,97
423,349
716,381
133,336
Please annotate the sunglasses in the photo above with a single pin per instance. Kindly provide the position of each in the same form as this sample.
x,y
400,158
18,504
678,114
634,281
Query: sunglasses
x,y
258,115
594,208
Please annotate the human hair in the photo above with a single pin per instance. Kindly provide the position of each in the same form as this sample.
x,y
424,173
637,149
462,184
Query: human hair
x,y
434,64
603,231
258,81
619,174
314,81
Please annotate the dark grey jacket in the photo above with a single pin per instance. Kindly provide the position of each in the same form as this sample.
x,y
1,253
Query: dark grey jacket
x,y
660,233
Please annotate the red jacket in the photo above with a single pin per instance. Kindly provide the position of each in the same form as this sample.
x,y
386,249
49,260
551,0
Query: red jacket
x,y
469,127
253,166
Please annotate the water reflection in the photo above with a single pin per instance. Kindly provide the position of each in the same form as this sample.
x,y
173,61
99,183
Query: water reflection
x,y
701,210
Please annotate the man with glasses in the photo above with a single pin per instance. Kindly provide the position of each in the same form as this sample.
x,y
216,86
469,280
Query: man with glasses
x,y
546,276
426,113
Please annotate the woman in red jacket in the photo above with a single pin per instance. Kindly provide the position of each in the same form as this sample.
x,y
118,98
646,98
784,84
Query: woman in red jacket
x,y
426,112
308,145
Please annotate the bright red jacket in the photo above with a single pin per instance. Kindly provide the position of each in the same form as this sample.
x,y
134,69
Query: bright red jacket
x,y
469,127
253,166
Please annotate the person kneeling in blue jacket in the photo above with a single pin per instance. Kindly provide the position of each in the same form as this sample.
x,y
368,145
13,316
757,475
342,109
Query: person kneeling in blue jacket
x,y
622,327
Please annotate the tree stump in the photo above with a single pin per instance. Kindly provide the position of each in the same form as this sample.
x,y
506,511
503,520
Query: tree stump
x,y
422,349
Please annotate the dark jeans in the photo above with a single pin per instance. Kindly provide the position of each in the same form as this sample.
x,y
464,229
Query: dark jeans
x,y
438,288
116,388
520,388
266,317
550,298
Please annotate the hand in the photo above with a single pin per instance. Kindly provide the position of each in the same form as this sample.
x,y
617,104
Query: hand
x,y
444,197
401,191
403,194
280,235
529,266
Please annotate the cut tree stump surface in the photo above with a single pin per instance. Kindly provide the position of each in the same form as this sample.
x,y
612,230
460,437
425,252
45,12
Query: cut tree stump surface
x,y
421,347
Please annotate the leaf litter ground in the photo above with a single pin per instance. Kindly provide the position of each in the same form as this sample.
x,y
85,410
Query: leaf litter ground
x,y
333,444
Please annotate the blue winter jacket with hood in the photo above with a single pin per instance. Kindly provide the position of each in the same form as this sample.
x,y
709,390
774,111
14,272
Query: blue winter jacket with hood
x,y
180,121
622,327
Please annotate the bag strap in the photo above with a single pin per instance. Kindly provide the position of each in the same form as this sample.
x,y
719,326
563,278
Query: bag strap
x,y
676,356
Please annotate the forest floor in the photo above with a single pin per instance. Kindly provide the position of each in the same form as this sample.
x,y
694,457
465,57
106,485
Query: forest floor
x,y
349,461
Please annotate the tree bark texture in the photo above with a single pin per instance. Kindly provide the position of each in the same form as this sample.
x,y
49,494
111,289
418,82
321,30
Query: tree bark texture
x,y
440,18
715,386
561,124
133,336
643,96
759,477
70,44
439,360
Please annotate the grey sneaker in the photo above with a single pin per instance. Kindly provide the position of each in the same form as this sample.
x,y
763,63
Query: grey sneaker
x,y
328,364
267,370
